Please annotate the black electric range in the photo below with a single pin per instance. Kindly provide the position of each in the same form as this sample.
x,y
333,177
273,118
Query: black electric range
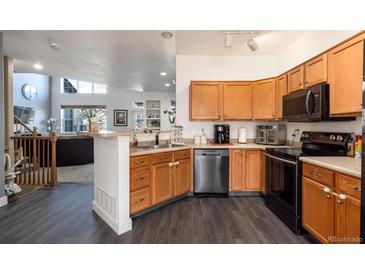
x,y
283,179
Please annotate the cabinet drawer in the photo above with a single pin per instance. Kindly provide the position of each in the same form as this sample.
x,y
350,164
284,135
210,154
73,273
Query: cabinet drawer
x,y
182,154
348,185
140,178
140,200
319,174
140,161
160,158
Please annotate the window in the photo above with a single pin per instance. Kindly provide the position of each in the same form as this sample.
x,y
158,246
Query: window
x,y
75,118
81,87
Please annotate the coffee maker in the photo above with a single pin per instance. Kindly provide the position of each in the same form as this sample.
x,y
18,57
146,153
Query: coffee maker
x,y
221,134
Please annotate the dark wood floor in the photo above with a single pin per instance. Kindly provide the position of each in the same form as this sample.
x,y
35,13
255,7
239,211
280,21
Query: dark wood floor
x,y
63,214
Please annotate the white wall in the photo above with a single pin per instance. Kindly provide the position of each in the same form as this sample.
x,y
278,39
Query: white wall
x,y
197,67
114,99
41,104
309,45
194,67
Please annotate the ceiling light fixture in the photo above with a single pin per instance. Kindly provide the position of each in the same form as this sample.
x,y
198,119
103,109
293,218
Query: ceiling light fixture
x,y
167,84
166,35
163,73
251,43
38,66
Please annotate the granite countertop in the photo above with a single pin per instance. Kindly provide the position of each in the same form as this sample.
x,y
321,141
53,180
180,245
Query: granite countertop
x,y
346,165
142,151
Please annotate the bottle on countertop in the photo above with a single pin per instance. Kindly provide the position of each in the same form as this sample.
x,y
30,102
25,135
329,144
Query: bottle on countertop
x,y
358,146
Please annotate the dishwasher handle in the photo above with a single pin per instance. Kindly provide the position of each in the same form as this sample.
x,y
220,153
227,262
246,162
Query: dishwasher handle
x,y
211,154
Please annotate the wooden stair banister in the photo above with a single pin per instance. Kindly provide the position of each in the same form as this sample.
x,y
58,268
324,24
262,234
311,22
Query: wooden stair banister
x,y
39,165
22,128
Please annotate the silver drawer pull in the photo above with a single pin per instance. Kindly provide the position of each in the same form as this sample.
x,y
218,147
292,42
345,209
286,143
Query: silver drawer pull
x,y
140,179
139,201
316,174
174,164
327,190
355,187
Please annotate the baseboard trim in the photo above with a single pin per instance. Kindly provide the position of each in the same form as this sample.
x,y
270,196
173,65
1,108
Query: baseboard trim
x,y
119,228
246,194
3,201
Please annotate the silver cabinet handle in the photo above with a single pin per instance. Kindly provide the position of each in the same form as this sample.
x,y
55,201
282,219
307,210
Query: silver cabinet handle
x,y
316,174
355,187
174,164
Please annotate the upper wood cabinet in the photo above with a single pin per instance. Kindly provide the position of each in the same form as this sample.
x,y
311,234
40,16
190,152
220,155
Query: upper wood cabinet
x,y
315,71
237,100
206,100
345,76
281,90
296,79
264,99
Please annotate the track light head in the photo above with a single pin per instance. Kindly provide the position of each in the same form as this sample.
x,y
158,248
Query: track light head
x,y
228,40
251,43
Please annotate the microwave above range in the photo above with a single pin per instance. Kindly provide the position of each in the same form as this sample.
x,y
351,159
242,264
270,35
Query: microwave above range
x,y
309,105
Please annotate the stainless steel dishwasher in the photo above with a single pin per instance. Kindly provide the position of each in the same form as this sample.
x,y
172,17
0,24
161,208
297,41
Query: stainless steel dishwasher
x,y
211,171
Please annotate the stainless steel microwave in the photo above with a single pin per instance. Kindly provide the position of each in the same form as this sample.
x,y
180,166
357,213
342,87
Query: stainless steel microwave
x,y
309,105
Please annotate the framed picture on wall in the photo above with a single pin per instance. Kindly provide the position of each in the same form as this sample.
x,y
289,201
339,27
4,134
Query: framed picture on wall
x,y
120,117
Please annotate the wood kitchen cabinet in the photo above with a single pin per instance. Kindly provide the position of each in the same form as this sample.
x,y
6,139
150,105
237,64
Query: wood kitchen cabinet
x,y
296,79
245,170
264,93
237,100
330,205
345,76
206,100
318,211
315,71
158,177
281,90
182,177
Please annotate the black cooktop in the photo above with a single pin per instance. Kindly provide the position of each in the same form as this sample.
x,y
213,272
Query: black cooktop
x,y
315,144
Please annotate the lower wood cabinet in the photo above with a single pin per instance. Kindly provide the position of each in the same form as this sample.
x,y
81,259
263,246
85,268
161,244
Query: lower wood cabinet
x,y
162,184
318,210
158,177
331,214
246,170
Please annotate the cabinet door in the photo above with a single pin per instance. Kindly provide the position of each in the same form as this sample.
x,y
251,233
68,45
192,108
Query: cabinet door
x,y
253,170
237,170
345,76
162,187
182,177
237,101
206,100
264,99
317,210
316,71
296,79
263,173
348,220
281,90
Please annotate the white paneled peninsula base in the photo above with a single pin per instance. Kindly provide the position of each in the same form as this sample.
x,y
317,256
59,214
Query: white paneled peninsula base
x,y
111,181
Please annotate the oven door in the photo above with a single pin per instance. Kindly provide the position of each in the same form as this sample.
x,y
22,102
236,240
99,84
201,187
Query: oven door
x,y
281,182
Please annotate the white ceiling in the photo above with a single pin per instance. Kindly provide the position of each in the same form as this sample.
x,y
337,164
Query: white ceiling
x,y
211,42
127,60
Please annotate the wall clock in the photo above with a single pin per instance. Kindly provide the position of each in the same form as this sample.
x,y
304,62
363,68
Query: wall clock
x,y
29,91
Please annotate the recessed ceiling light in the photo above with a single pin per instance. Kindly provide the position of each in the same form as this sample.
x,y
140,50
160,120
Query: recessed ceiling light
x,y
163,73
166,34
167,84
53,45
38,66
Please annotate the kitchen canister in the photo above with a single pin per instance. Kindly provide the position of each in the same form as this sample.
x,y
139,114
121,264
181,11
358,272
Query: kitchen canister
x,y
203,139
242,135
197,140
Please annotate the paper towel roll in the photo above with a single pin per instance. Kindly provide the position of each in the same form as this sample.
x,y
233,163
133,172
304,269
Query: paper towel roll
x,y
242,135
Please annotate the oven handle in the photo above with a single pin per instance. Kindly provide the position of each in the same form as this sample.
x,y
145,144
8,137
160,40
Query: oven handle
x,y
281,160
